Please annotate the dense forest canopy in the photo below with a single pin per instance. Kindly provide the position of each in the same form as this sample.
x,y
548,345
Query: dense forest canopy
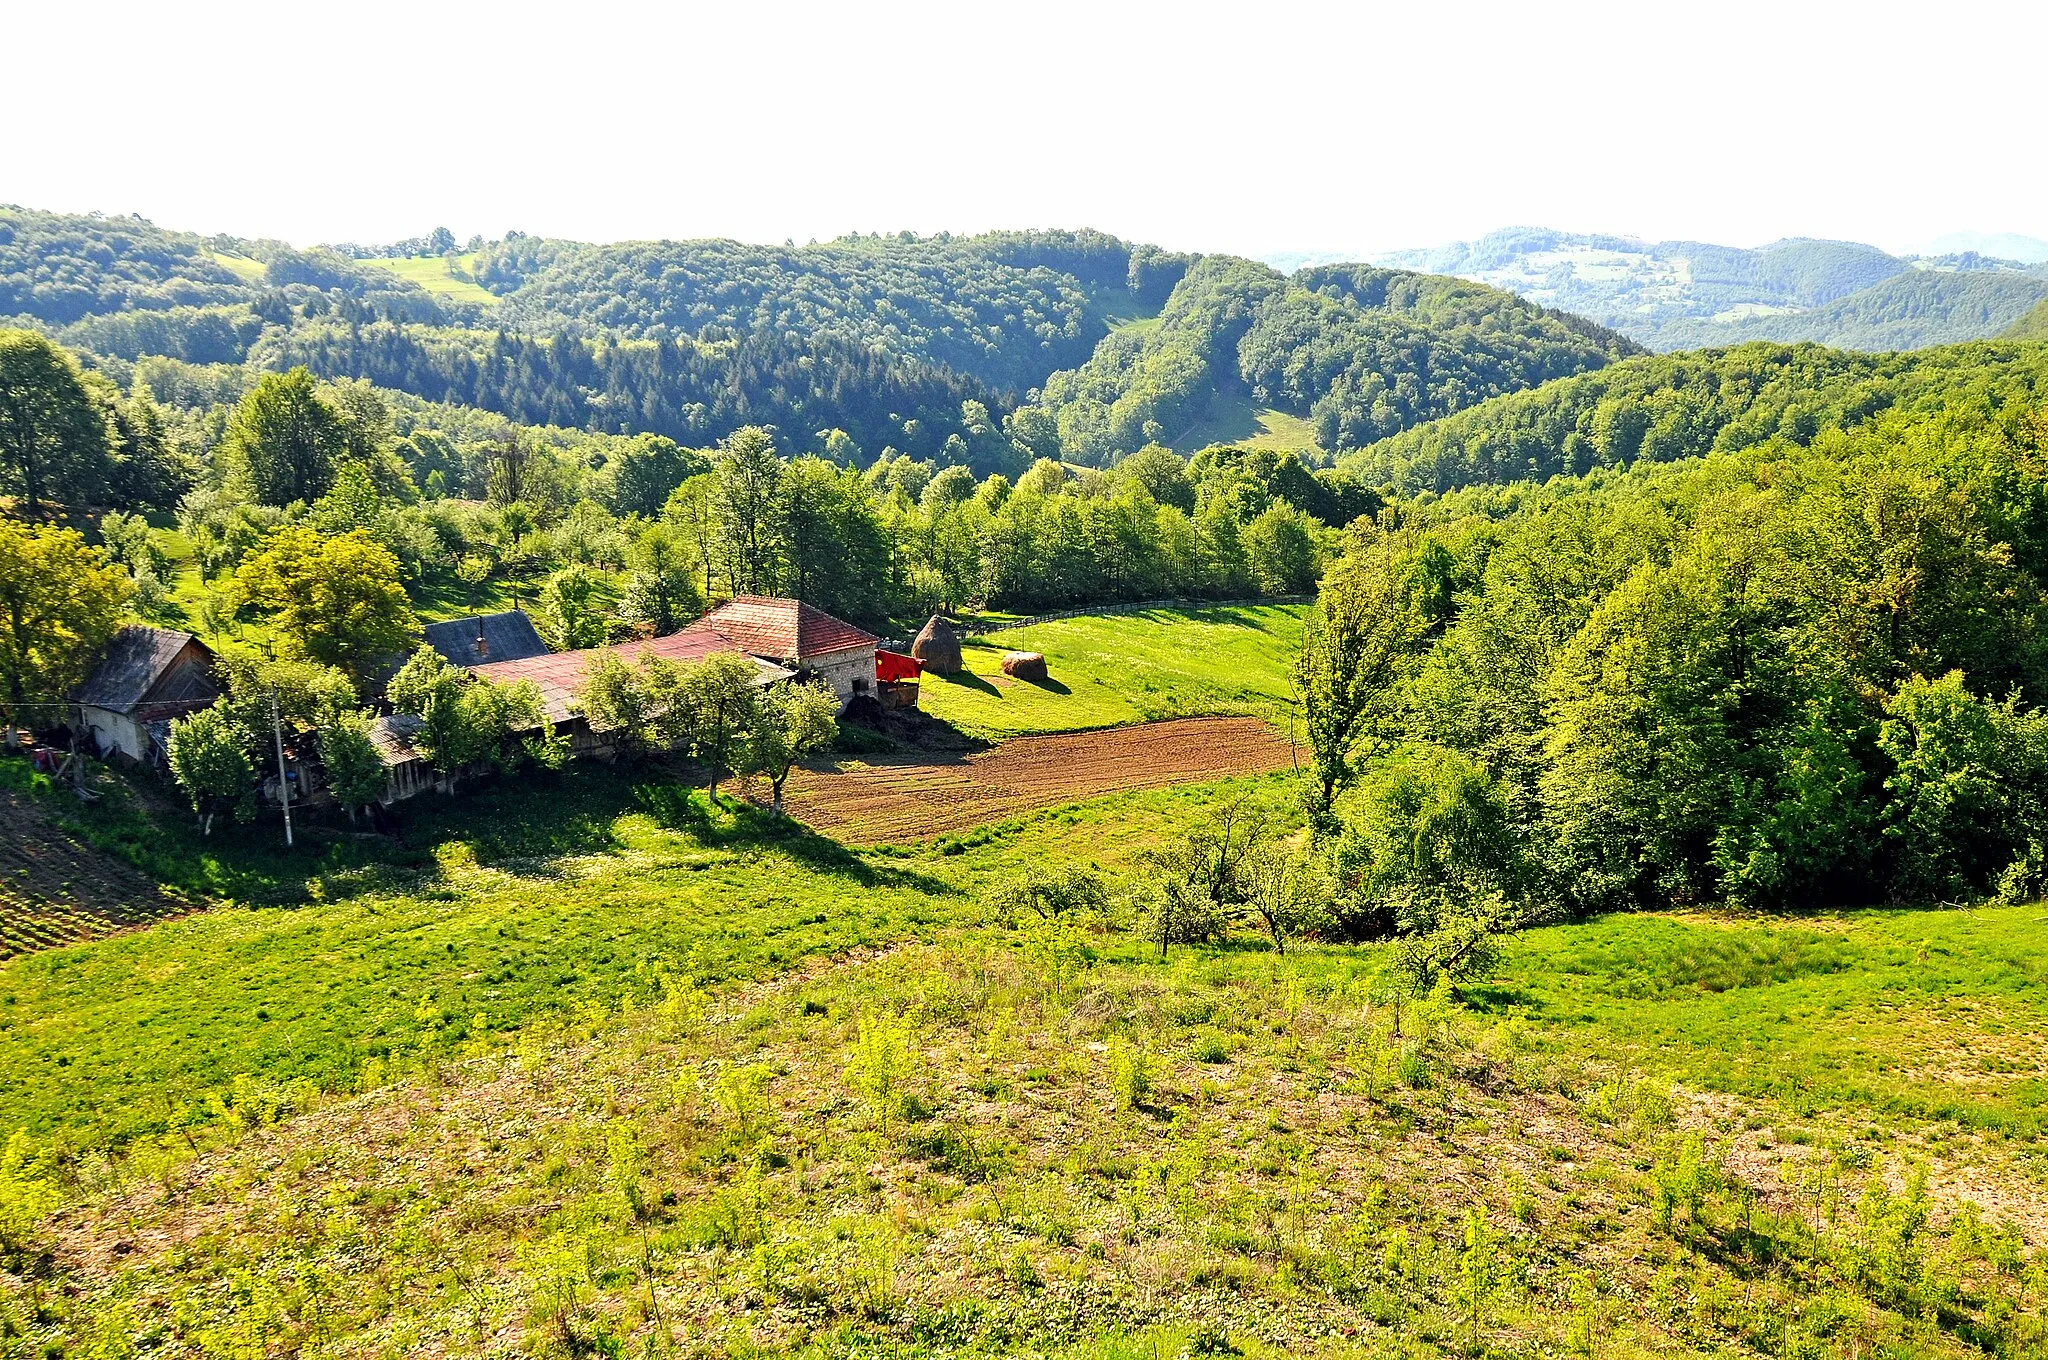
x,y
1666,407
1361,352
895,340
1792,674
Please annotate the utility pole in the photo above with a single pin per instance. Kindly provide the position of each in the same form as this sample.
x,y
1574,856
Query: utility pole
x,y
284,788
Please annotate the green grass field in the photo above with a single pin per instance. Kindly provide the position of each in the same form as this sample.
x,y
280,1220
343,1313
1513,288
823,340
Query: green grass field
x,y
432,273
585,1066
1111,669
632,1074
241,266
1240,422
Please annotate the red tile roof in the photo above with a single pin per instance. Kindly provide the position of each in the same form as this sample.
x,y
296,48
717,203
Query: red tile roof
x,y
786,630
764,628
559,675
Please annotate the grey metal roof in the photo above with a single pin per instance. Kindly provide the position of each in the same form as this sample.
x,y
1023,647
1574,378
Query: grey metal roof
x,y
135,660
509,636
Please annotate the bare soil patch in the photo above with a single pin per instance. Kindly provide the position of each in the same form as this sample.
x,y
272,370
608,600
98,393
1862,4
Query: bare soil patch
x,y
898,799
56,889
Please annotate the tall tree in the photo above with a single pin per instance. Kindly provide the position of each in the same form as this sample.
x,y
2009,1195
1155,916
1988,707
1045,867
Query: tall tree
x,y
719,693
286,438
53,437
749,509
60,603
336,600
1352,649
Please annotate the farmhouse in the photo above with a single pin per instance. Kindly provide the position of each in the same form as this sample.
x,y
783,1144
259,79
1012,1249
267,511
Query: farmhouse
x,y
785,639
147,677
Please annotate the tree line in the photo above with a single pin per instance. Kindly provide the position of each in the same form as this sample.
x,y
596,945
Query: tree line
x,y
1783,676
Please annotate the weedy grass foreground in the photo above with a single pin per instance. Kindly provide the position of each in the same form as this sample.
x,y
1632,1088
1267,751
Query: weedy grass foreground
x,y
1026,1140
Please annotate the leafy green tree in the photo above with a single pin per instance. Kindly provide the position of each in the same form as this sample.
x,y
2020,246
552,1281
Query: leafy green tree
x,y
792,721
60,604
659,594
646,472
618,703
335,599
723,709
1357,640
748,495
469,721
286,439
209,755
53,438
1280,549
570,612
355,770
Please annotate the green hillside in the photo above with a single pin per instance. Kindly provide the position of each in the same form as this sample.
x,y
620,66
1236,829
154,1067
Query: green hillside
x,y
1666,407
1356,352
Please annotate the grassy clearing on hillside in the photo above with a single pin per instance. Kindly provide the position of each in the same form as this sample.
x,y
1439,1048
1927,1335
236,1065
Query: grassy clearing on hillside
x,y
433,274
241,266
1240,422
1111,669
1024,1139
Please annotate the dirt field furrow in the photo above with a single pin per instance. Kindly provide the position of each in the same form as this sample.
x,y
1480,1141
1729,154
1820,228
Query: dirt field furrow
x,y
887,800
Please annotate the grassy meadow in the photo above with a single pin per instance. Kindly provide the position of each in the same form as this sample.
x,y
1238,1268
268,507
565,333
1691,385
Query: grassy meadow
x,y
1111,669
585,1065
434,273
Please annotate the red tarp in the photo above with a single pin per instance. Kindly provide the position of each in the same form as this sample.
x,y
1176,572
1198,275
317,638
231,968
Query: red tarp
x,y
895,666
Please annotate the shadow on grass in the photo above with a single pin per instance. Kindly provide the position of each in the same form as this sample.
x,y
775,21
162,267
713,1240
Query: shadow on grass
x,y
967,680
1049,685
735,824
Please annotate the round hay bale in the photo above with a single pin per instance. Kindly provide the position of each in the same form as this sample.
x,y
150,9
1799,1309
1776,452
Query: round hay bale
x,y
1025,665
937,647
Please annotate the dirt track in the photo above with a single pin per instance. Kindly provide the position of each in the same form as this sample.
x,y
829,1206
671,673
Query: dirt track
x,y
914,797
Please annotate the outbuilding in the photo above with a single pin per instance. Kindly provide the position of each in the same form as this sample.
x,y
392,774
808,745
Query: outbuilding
x,y
147,678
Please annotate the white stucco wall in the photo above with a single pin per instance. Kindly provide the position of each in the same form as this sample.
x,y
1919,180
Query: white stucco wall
x,y
116,732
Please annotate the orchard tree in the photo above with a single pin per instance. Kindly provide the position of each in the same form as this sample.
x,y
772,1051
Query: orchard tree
x,y
719,692
659,594
286,438
60,604
794,721
336,600
355,769
53,436
210,760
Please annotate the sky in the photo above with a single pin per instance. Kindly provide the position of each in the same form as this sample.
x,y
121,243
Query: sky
x,y
1253,129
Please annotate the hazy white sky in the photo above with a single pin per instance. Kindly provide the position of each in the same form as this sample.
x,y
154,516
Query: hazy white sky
x,y
1250,128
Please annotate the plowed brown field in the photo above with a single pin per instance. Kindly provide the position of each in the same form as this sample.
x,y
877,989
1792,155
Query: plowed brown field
x,y
871,803
55,889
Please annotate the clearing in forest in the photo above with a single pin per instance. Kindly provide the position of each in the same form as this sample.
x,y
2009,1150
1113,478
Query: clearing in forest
x,y
55,889
870,803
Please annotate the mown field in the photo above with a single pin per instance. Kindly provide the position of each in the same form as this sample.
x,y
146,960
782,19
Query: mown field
x,y
1111,669
588,1066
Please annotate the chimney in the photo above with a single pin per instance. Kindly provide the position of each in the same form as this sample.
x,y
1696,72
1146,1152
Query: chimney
x,y
483,648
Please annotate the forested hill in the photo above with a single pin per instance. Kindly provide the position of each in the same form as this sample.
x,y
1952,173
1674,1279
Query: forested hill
x,y
937,347
1673,295
1359,352
1662,408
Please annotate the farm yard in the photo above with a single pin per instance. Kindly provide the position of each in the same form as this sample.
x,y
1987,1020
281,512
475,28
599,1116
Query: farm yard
x,y
879,800
1113,669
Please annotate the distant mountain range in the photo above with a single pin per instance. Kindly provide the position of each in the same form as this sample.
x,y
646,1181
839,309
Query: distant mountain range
x,y
1671,295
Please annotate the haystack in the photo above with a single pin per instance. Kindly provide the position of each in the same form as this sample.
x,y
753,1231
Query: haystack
x,y
937,646
1025,665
